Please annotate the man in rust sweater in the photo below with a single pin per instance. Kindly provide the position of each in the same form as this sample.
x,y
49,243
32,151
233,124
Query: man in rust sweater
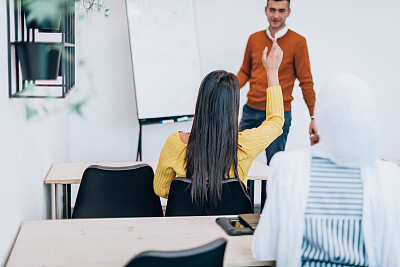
x,y
295,64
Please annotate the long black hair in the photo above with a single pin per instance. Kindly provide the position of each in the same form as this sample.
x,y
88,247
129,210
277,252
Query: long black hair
x,y
213,141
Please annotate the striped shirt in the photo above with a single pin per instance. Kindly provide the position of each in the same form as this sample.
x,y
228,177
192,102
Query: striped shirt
x,y
333,230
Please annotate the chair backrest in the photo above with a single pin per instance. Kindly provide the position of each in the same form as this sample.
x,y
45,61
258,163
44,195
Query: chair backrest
x,y
210,255
234,200
111,192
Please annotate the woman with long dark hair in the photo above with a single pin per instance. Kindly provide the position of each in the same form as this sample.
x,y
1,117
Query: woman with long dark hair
x,y
214,149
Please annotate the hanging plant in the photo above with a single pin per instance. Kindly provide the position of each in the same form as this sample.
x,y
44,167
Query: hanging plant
x,y
44,15
42,61
93,6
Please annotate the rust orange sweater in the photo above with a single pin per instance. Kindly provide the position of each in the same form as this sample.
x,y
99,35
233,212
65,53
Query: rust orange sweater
x,y
295,64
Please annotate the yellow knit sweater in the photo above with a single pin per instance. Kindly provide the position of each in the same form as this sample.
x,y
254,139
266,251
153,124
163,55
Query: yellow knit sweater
x,y
251,143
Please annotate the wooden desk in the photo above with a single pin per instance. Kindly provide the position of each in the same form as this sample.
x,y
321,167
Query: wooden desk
x,y
71,172
62,175
113,242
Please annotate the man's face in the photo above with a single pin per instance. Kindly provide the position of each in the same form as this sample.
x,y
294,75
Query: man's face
x,y
277,12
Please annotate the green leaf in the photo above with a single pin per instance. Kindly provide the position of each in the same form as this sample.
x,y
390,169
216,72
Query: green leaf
x,y
77,107
31,112
42,10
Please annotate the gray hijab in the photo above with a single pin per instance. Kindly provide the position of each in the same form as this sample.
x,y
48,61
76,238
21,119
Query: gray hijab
x,y
347,122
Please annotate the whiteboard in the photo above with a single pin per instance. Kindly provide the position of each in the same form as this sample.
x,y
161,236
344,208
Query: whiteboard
x,y
165,57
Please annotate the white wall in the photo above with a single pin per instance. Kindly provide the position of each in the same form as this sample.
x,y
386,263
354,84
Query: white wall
x,y
27,149
108,129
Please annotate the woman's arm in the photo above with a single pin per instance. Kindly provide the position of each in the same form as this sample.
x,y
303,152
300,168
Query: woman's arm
x,y
164,172
257,139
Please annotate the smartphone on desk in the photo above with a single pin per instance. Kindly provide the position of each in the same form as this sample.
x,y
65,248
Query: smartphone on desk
x,y
244,224
249,220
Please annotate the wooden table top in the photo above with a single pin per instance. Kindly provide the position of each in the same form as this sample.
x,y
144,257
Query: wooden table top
x,y
71,172
113,242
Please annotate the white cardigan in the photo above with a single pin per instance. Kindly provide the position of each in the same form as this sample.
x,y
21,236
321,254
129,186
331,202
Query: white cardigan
x,y
279,234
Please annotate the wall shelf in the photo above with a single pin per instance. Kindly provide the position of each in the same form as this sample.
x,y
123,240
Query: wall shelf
x,y
41,58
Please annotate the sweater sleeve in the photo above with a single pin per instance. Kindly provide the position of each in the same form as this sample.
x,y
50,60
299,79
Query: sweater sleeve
x,y
255,140
303,73
165,172
244,72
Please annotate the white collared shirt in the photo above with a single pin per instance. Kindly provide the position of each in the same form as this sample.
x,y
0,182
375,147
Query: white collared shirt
x,y
279,33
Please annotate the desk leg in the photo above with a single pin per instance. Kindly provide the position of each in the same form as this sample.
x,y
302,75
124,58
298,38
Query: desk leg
x,y
250,185
67,201
58,206
63,201
53,201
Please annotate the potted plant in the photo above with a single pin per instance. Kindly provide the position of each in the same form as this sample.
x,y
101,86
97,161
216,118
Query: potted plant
x,y
39,61
42,60
44,15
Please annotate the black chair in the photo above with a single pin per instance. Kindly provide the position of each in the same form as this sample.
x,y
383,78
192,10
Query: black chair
x,y
112,192
210,255
234,200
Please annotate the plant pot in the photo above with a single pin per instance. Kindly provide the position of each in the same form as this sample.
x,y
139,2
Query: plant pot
x,y
48,21
39,61
60,68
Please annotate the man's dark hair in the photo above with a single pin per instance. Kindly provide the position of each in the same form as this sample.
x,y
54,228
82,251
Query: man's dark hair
x,y
278,1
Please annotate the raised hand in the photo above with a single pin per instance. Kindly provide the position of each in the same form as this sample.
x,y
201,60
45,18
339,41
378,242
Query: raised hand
x,y
274,59
272,62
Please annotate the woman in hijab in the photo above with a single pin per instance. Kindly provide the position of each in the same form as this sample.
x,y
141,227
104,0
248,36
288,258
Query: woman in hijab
x,y
335,204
